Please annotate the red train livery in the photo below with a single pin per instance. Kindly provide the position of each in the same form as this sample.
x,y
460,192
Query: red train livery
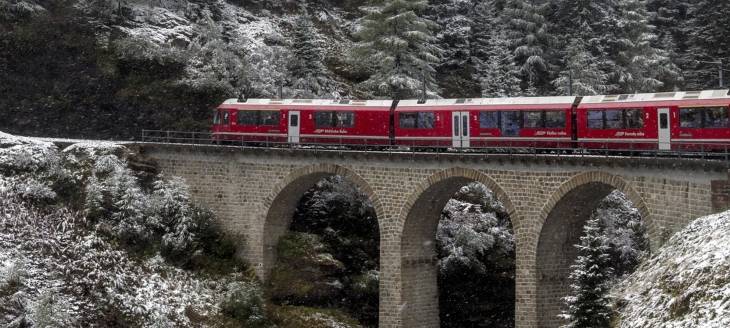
x,y
668,120
304,121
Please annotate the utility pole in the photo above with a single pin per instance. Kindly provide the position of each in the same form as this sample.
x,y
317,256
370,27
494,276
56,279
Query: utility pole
x,y
570,83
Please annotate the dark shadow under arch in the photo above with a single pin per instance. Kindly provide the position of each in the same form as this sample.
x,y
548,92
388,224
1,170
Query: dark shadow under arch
x,y
279,207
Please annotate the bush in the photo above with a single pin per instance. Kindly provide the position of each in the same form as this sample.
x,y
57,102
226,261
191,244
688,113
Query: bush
x,y
305,273
245,303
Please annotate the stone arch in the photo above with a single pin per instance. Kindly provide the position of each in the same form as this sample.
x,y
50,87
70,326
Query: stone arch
x,y
560,225
419,216
277,209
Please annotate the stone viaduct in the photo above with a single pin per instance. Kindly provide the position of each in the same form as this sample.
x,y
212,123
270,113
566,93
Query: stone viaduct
x,y
254,193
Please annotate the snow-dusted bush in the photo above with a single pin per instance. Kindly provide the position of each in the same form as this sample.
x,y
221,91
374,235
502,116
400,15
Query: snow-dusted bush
x,y
115,200
48,312
245,303
12,275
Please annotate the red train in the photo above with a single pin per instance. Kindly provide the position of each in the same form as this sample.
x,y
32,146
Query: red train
x,y
668,120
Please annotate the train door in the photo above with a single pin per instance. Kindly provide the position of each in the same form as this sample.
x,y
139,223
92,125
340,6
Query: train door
x,y
664,129
460,135
294,123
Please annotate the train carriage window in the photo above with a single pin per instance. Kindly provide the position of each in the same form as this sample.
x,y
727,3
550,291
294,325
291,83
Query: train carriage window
x,y
247,117
216,118
614,119
595,119
416,120
488,120
716,117
555,119
690,117
408,120
323,119
226,118
634,118
344,119
425,120
511,123
269,118
533,120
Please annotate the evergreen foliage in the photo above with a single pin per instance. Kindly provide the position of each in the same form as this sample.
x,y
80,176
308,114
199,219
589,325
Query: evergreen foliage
x,y
399,42
475,246
709,26
588,306
526,31
309,78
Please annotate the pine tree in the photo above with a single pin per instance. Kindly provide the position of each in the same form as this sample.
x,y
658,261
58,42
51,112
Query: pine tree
x,y
708,28
499,77
400,44
525,28
588,305
582,76
456,70
669,19
639,65
309,77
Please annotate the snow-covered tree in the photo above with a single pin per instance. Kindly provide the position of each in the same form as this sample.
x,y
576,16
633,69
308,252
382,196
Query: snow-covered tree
x,y
499,75
708,30
621,224
588,303
582,75
456,71
215,63
639,65
309,78
400,44
475,246
526,31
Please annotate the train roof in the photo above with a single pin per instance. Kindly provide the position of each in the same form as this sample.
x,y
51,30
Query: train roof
x,y
310,102
490,101
658,97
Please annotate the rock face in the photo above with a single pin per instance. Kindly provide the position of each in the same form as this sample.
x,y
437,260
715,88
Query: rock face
x,y
685,284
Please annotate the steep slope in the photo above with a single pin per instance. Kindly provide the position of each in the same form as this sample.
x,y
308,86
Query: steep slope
x,y
685,284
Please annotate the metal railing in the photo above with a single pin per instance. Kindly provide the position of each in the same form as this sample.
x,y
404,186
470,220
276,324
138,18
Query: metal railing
x,y
571,148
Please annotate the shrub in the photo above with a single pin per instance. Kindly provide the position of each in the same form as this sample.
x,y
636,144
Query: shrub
x,y
48,312
245,303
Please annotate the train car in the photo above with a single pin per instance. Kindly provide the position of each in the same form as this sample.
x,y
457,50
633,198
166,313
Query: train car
x,y
477,123
693,120
293,121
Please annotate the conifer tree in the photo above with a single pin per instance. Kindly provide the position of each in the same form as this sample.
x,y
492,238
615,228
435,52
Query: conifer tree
x,y
638,64
709,42
588,304
582,75
456,70
669,18
400,44
526,31
309,77
499,73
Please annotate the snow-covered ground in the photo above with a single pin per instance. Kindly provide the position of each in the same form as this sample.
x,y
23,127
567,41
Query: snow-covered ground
x,y
685,284
57,269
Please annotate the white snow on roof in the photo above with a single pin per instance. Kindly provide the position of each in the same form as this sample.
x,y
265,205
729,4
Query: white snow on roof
x,y
660,96
491,101
311,102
